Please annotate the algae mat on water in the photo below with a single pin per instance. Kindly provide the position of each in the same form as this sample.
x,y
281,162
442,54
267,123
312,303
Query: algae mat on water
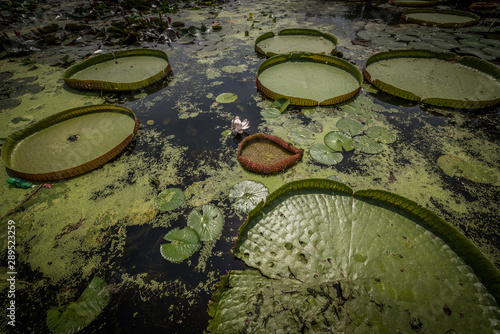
x,y
436,78
334,260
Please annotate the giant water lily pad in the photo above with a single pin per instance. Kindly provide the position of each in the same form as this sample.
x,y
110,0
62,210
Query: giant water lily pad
x,y
295,40
182,244
247,194
79,314
471,170
440,18
170,199
119,70
329,259
436,78
266,154
207,224
308,79
69,143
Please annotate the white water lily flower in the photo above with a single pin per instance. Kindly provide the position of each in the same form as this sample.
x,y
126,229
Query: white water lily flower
x,y
238,126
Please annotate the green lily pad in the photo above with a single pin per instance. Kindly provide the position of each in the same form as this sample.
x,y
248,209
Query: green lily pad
x,y
455,166
79,314
182,244
325,155
367,145
350,126
247,194
300,135
225,133
440,18
280,104
209,224
226,98
170,199
381,134
338,141
331,260
270,113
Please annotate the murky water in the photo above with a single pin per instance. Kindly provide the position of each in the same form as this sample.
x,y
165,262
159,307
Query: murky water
x,y
180,145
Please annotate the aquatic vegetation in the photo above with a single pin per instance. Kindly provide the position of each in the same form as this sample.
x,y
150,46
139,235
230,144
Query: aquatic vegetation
x,y
435,78
69,143
182,244
440,18
350,126
324,154
349,261
226,98
367,145
266,154
208,224
329,80
295,40
338,141
77,315
119,70
238,126
247,194
381,134
170,199
276,108
471,170
301,135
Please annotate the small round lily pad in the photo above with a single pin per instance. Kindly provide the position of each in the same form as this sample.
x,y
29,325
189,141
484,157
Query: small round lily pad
x,y
226,98
182,244
208,224
300,135
270,113
325,155
338,141
247,194
381,134
471,170
170,199
367,145
350,126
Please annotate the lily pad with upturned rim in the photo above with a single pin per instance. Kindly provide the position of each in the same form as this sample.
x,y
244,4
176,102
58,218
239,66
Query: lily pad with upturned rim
x,y
182,244
325,155
436,78
295,40
338,141
119,70
77,315
364,261
207,224
247,194
440,18
170,199
69,143
307,79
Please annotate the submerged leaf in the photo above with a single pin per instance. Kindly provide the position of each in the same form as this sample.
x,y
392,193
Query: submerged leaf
x,y
455,166
247,194
183,244
77,315
270,113
325,155
209,224
170,199
338,141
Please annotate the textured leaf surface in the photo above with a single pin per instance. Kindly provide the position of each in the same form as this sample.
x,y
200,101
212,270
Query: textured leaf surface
x,y
300,135
247,194
79,314
170,199
381,134
343,262
325,155
338,141
208,224
226,98
367,145
183,244
350,126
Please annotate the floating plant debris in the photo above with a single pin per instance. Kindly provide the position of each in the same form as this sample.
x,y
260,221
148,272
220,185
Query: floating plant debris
x,y
69,143
472,170
247,194
170,199
207,224
77,315
266,154
182,244
308,79
119,70
440,18
325,155
435,78
295,40
349,262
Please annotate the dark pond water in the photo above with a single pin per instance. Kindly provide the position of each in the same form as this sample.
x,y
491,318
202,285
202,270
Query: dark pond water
x,y
182,109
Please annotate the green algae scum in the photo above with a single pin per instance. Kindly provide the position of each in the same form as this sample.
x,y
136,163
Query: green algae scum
x,y
360,196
